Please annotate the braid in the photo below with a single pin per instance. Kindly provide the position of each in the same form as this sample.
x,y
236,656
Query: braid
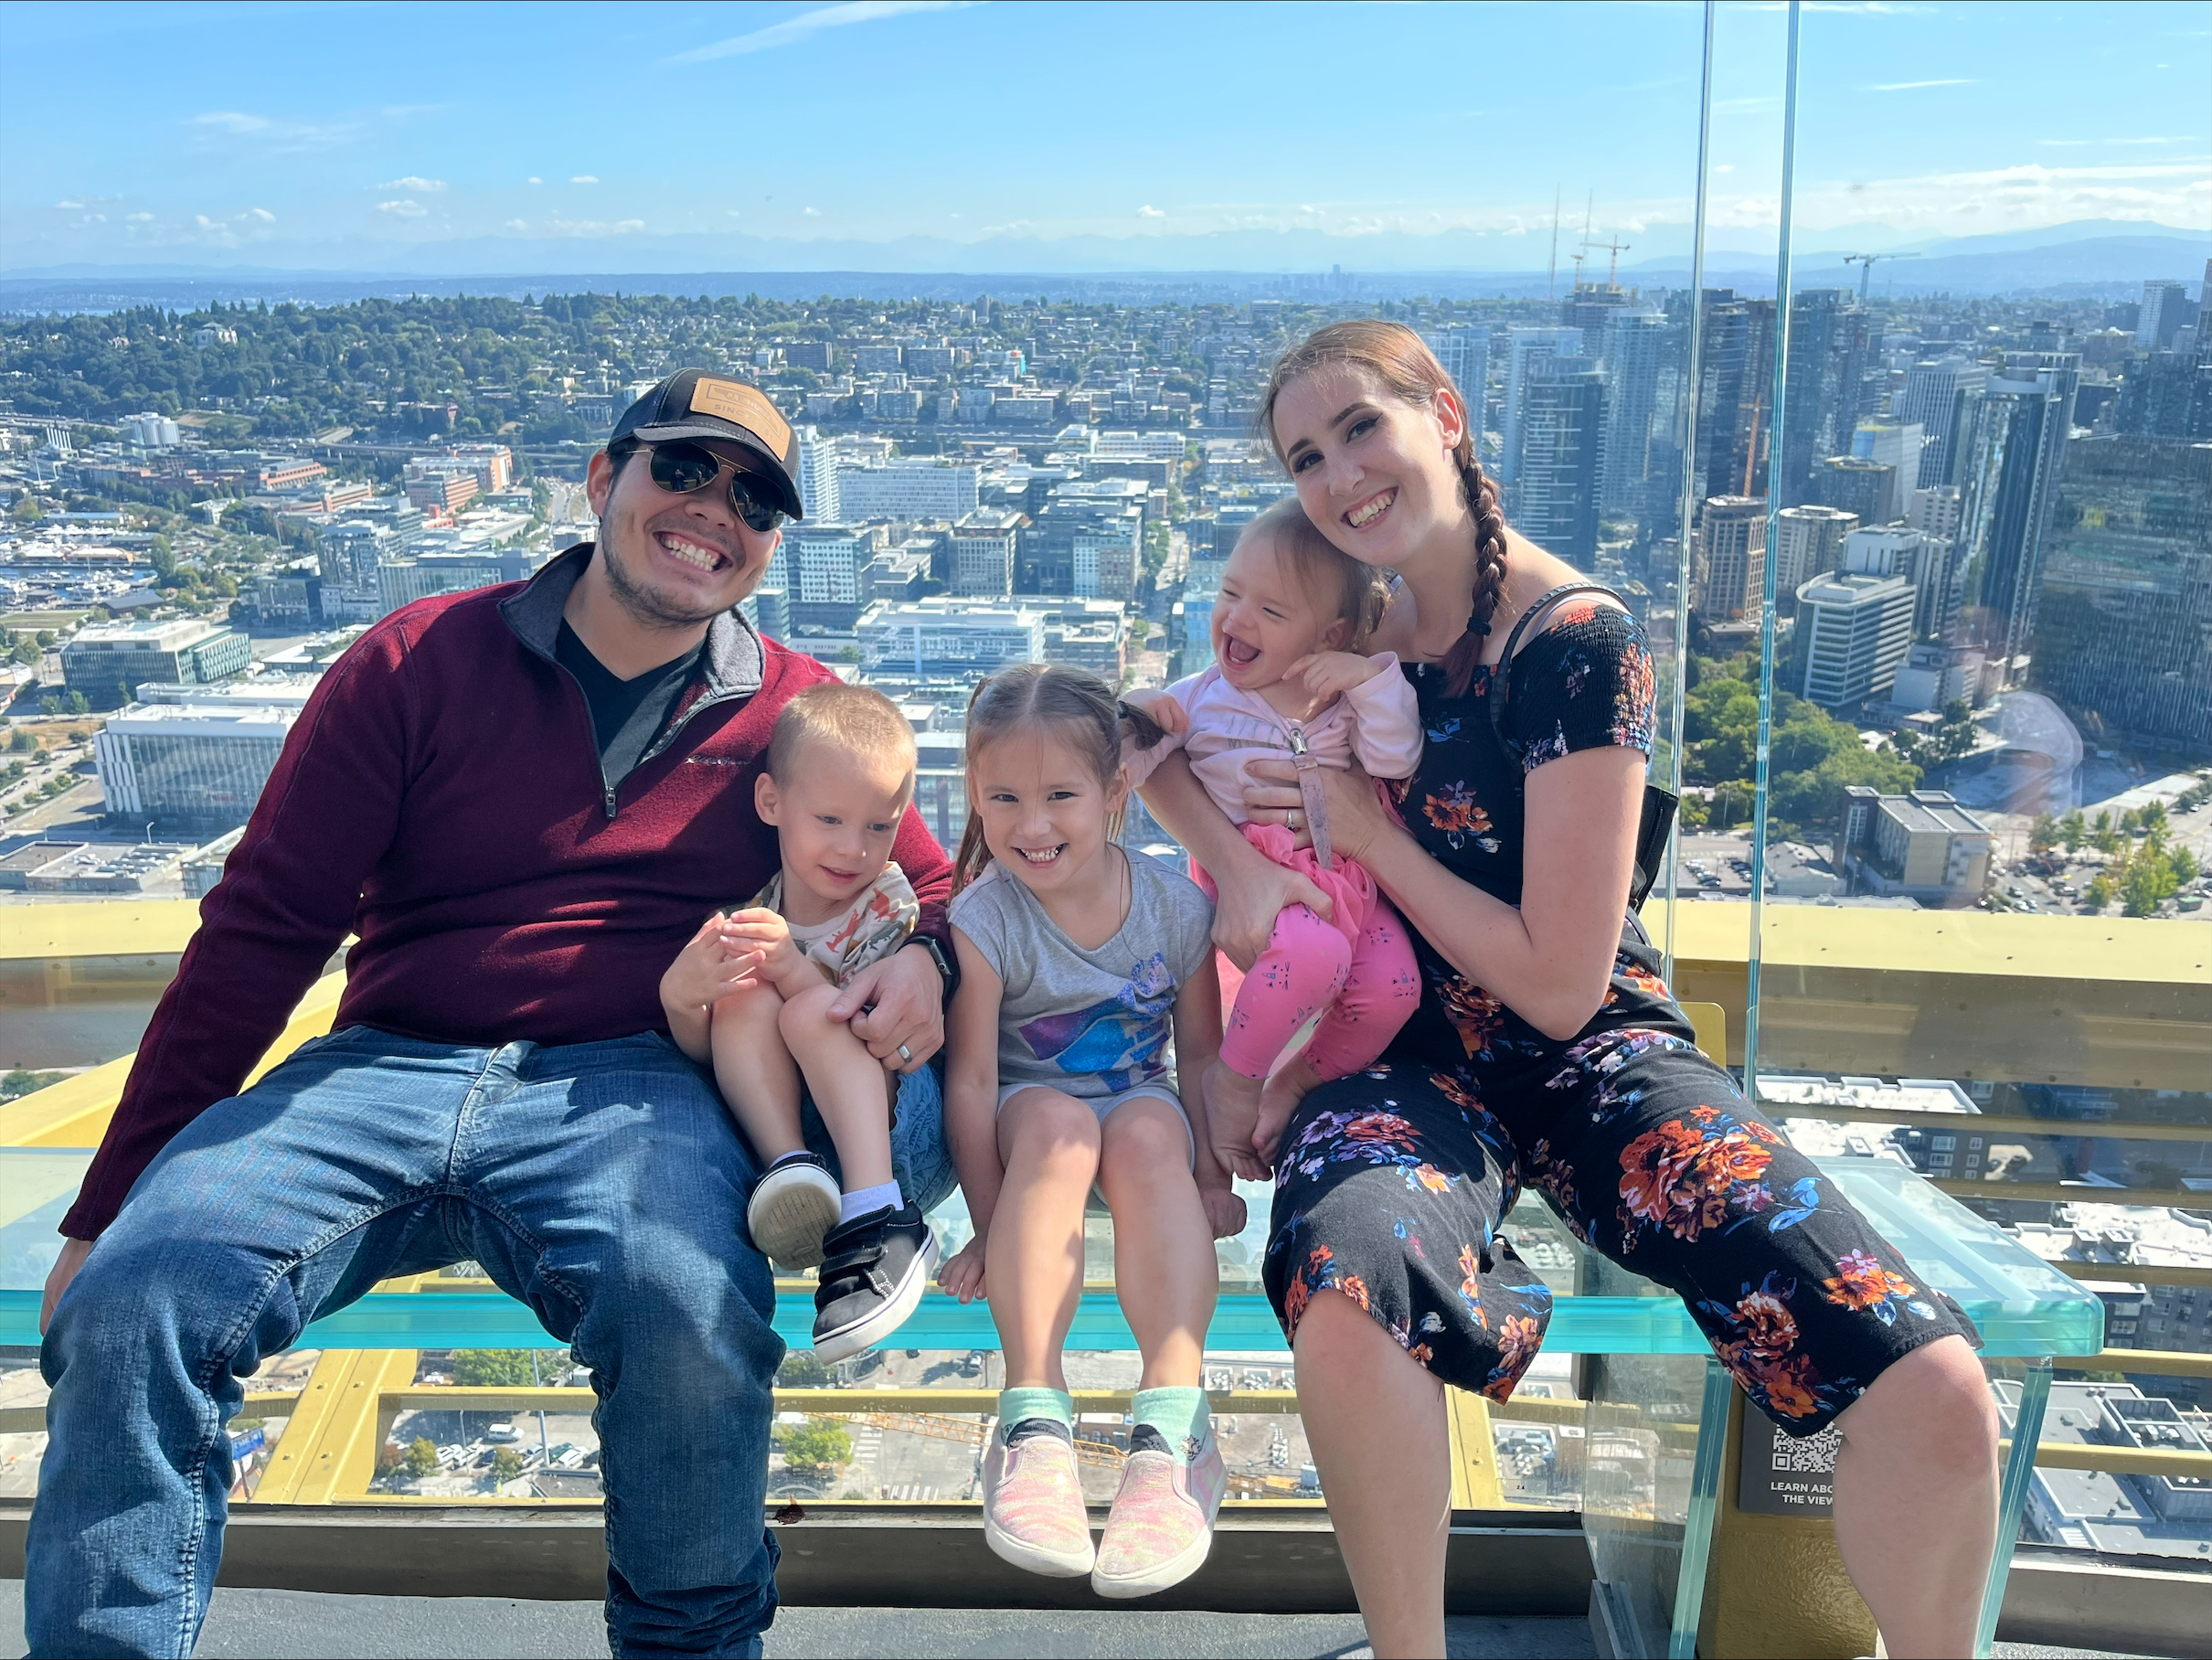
x,y
1489,569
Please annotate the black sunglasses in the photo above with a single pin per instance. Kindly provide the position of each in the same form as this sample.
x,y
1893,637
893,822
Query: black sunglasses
x,y
681,468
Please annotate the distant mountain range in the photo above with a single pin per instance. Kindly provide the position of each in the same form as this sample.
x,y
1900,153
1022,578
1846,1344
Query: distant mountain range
x,y
2085,258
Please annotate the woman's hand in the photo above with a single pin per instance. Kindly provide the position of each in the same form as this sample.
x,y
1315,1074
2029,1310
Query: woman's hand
x,y
1358,820
1252,897
962,1275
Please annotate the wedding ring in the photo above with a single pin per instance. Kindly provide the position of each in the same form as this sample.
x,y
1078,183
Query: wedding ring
x,y
1290,817
906,1054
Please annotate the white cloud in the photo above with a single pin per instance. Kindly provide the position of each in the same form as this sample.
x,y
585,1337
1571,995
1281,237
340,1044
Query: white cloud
x,y
410,183
280,137
594,227
141,219
536,180
71,206
1914,86
735,214
1149,212
794,29
517,224
2176,192
404,209
812,213
585,179
261,214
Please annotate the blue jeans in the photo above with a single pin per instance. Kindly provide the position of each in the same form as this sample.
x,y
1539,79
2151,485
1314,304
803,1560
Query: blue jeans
x,y
601,1183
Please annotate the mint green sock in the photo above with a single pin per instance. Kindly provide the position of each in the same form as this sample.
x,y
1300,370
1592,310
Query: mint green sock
x,y
1035,1400
1180,1415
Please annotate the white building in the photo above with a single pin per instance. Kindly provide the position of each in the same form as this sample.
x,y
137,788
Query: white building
x,y
983,552
1898,550
916,489
1897,445
1811,539
922,638
200,764
1858,629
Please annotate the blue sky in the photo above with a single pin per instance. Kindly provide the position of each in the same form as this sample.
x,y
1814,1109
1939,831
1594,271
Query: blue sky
x,y
347,137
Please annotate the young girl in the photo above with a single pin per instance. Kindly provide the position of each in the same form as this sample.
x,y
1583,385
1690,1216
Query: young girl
x,y
1075,954
1288,682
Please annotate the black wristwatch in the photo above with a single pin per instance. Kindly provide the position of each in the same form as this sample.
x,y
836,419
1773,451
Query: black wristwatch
x,y
945,970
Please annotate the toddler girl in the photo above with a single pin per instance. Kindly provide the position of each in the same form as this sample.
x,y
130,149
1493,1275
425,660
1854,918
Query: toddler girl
x,y
1075,956
1288,683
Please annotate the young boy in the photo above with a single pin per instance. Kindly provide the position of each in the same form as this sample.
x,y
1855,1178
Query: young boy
x,y
753,990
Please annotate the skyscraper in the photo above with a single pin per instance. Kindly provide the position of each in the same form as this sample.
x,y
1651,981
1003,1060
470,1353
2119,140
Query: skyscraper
x,y
1526,348
1735,394
1555,497
1811,545
1730,568
1830,349
1636,353
2008,477
1936,394
1897,446
2167,310
1465,355
2125,626
1594,308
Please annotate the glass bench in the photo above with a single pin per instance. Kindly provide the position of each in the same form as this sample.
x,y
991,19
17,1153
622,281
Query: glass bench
x,y
2027,1310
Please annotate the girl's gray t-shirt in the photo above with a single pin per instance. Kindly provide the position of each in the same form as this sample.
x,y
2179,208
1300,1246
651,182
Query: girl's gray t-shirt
x,y
1089,1023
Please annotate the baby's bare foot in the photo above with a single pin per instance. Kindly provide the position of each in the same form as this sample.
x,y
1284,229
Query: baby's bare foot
x,y
1278,1100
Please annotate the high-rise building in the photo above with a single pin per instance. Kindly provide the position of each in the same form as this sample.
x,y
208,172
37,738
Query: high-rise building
x,y
914,489
1730,568
1554,501
1898,446
1464,354
1638,351
1922,560
940,637
1831,349
402,582
823,570
1087,540
1934,508
1937,396
1594,308
983,545
1735,394
1525,348
1857,483
2124,631
2167,310
2008,479
1810,541
1856,631
818,463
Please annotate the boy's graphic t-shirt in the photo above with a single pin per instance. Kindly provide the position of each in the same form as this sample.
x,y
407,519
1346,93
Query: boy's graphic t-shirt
x,y
1091,1023
876,923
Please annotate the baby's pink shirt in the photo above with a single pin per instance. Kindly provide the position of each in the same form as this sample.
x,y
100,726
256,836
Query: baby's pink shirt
x,y
1378,722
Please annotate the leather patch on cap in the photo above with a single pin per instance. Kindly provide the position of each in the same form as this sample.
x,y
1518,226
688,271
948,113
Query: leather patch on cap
x,y
732,401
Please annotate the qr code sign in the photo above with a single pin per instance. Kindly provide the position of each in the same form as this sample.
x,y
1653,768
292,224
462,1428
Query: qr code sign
x,y
1815,1456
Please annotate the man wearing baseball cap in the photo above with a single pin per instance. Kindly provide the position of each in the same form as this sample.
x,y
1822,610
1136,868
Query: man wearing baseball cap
x,y
520,801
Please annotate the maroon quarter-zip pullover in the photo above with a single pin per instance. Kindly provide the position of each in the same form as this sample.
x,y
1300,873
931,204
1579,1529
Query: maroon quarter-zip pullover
x,y
440,797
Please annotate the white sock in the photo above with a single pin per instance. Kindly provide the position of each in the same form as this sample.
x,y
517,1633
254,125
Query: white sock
x,y
865,1200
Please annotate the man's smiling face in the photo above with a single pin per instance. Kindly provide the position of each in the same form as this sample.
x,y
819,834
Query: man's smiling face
x,y
674,560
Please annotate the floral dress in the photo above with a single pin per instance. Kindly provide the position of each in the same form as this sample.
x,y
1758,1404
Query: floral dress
x,y
1390,1183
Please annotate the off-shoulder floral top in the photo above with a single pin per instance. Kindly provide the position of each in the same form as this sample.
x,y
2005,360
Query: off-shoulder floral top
x,y
1585,682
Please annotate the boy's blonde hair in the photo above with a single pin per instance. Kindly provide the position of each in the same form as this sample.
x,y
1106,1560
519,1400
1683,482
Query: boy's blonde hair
x,y
856,718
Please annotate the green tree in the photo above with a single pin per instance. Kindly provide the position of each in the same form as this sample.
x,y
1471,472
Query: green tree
x,y
492,1368
2100,892
421,1458
507,1465
2072,831
22,740
78,703
2186,868
2150,882
818,1446
2043,835
803,1369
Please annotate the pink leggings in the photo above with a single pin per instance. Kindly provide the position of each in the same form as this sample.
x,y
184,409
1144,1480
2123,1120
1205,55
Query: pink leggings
x,y
1357,973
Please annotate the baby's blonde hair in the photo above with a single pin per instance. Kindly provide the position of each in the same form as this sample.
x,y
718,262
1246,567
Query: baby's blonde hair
x,y
858,720
1339,585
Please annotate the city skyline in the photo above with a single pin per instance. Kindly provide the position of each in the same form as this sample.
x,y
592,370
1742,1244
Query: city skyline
x,y
348,138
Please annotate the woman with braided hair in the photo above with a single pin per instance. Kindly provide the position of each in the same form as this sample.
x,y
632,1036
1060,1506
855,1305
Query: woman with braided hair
x,y
1547,1051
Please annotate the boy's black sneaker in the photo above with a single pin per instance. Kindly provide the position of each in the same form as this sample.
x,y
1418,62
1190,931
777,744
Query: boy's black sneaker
x,y
874,1271
792,1207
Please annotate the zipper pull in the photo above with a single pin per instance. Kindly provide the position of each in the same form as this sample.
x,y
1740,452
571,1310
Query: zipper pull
x,y
610,804
1298,743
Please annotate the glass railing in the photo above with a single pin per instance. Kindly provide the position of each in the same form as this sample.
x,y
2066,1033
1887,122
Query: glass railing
x,y
1886,454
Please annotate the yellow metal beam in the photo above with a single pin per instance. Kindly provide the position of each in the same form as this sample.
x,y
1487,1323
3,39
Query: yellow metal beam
x,y
1475,1481
2126,1461
2068,1193
98,928
329,1448
1989,1123
2158,1363
2135,1273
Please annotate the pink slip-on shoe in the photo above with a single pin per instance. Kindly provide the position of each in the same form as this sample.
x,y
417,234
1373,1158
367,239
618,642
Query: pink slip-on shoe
x,y
1161,1524
1033,1501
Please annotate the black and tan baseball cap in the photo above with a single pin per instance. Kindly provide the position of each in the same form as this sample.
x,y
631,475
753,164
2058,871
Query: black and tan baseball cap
x,y
694,404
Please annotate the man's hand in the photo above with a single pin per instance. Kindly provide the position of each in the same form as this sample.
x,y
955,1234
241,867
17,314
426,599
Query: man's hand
x,y
962,1275
897,1003
73,1253
1331,674
1224,1209
1167,713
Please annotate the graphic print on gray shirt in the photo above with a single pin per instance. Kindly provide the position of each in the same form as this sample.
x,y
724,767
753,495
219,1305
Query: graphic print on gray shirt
x,y
1089,1022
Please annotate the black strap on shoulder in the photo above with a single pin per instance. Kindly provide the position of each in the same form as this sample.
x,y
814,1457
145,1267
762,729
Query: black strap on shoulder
x,y
1501,677
1656,820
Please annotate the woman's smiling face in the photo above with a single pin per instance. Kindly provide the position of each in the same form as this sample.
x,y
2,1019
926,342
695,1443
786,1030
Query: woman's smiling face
x,y
1374,471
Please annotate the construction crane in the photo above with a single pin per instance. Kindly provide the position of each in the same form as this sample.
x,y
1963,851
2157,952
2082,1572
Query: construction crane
x,y
1865,262
1612,265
